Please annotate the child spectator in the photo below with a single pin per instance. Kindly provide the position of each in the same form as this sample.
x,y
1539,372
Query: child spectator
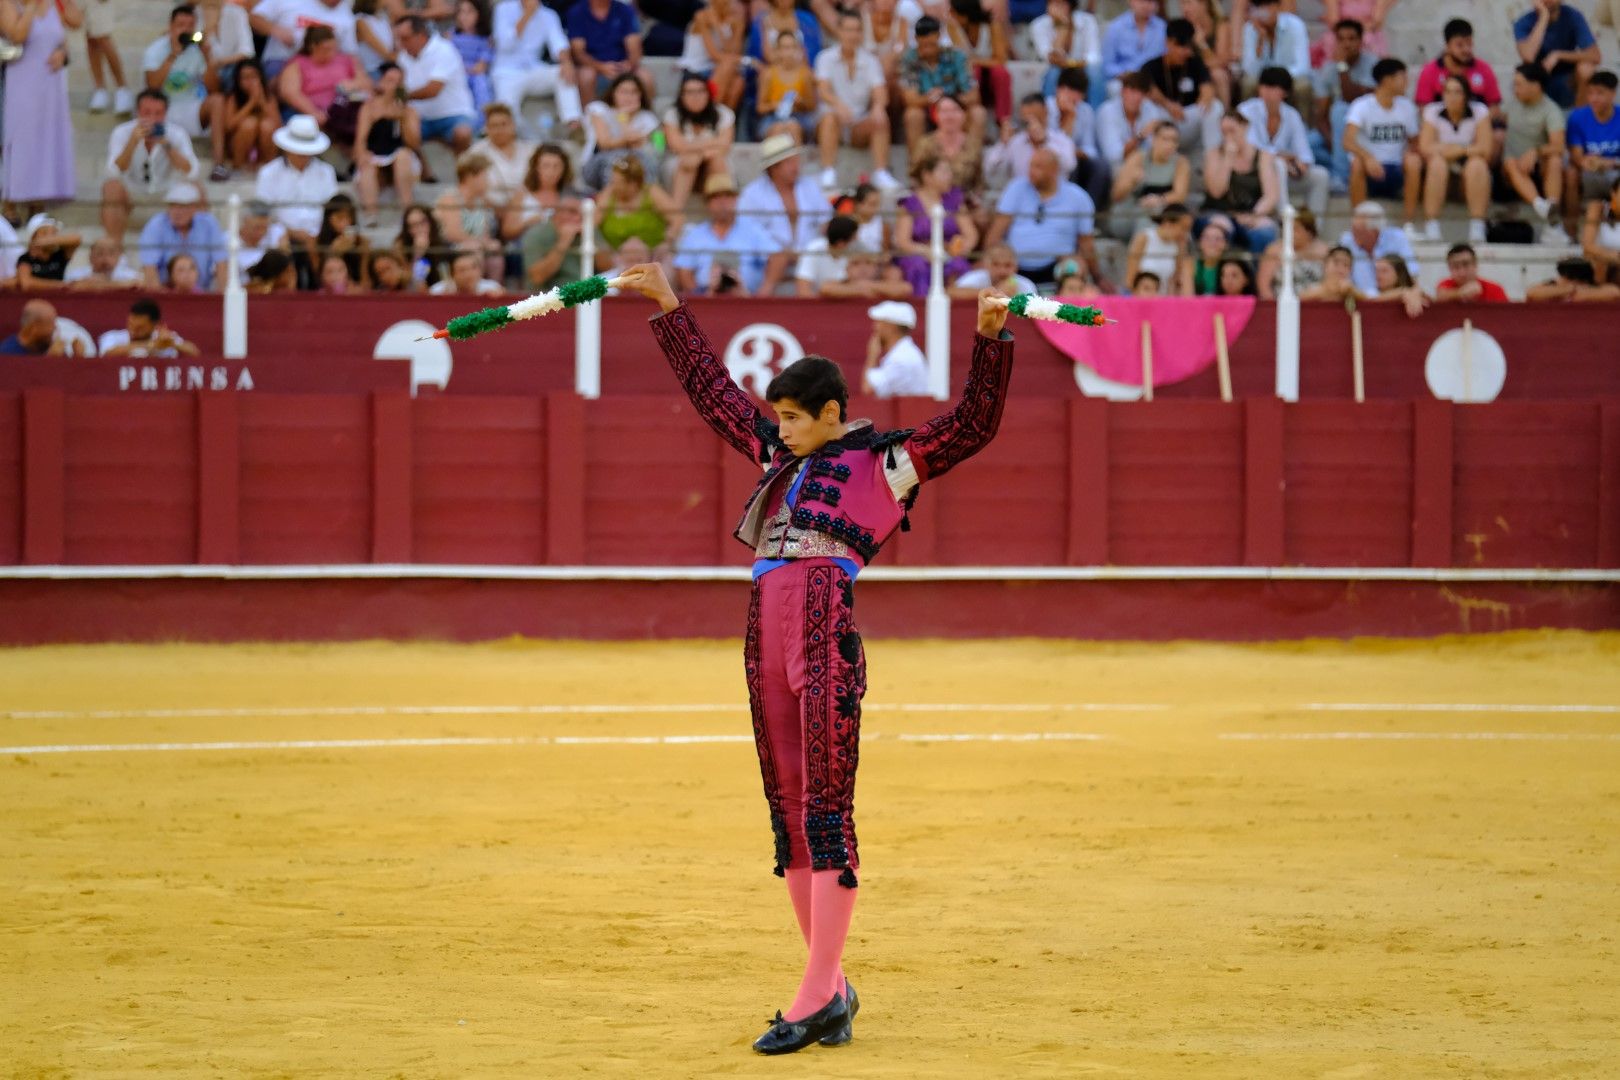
x,y
1235,277
865,205
388,274
1465,282
1456,144
855,104
340,236
471,38
786,102
1075,281
336,279
1067,38
1145,284
1380,135
1162,251
249,123
183,275
934,185
698,132
1533,148
387,139
47,250
714,49
1593,134
620,125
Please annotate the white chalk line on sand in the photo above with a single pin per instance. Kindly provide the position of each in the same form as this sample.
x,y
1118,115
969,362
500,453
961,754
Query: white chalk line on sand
x,y
528,740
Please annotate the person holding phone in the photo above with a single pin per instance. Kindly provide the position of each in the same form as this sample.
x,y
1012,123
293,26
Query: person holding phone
x,y
145,156
177,64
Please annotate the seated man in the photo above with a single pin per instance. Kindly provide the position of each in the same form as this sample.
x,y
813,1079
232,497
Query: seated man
x,y
1593,134
1125,122
1180,83
436,84
145,156
1380,135
183,228
998,269
107,269
1533,149
1009,157
1276,127
552,252
1131,39
1045,218
1458,59
1369,239
727,253
605,41
895,366
1465,282
1576,282
297,184
1346,76
36,334
176,65
534,58
467,278
930,70
145,335
1555,37
854,104
784,204
1272,37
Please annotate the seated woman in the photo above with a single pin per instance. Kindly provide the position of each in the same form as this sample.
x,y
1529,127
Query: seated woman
x,y
698,132
1153,176
340,236
422,247
1214,241
1336,285
953,140
1576,283
251,117
1310,250
548,181
1235,277
1241,180
714,46
630,207
786,101
934,185
1600,235
467,218
185,276
1457,144
1395,284
323,82
388,273
387,140
620,125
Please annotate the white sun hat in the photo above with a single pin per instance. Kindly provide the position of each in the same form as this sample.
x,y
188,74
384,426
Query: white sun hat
x,y
893,311
302,135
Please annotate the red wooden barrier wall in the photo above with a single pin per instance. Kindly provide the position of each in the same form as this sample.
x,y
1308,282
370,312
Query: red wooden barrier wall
x,y
316,479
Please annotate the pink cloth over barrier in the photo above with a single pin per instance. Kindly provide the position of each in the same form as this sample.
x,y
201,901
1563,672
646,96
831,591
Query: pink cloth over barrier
x,y
1183,335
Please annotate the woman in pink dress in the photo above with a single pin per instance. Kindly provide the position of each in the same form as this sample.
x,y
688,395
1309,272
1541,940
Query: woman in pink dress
x,y
36,162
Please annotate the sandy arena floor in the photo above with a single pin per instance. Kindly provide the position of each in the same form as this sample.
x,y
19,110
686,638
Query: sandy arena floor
x,y
1197,878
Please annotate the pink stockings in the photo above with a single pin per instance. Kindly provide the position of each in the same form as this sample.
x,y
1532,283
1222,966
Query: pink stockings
x,y
806,675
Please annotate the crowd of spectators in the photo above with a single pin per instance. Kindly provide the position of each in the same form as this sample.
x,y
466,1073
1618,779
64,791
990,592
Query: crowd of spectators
x,y
1180,134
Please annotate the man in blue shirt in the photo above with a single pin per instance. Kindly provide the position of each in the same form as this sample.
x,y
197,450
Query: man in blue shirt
x,y
1370,238
1593,136
1557,37
1044,218
605,36
726,253
183,229
1132,39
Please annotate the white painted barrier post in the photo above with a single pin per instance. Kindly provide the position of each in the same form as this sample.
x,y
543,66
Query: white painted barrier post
x,y
1287,315
235,295
938,312
588,317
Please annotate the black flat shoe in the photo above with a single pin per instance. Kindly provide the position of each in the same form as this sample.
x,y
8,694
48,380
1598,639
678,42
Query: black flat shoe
x,y
845,1033
788,1036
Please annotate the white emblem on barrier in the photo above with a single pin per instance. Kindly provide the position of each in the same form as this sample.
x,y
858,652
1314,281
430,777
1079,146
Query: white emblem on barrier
x,y
1472,370
757,352
430,360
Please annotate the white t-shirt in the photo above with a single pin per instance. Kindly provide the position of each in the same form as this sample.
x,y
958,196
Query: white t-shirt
x,y
447,287
122,274
819,266
854,92
505,173
298,16
643,123
1384,132
1434,115
149,172
980,279
298,199
112,339
903,371
1085,44
440,63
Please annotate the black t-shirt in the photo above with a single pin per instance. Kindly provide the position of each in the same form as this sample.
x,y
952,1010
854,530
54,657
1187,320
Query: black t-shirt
x,y
51,268
1181,84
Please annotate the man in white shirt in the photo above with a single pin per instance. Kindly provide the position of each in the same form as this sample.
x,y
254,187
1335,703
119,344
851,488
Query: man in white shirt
x,y
260,232
1380,135
999,269
789,207
1276,127
436,83
508,155
284,23
1273,37
725,253
532,59
107,269
895,366
175,64
145,335
1009,158
467,278
855,104
297,185
1125,122
145,156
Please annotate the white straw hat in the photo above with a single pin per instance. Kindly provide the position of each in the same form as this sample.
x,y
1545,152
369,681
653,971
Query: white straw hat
x,y
893,311
776,149
302,135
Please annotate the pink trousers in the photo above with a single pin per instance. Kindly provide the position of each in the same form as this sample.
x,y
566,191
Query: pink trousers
x,y
806,676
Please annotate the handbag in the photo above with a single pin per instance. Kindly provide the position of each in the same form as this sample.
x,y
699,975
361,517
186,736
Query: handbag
x,y
1511,231
9,50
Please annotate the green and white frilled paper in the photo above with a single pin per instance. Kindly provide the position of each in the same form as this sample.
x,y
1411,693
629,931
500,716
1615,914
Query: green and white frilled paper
x,y
1030,306
570,295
